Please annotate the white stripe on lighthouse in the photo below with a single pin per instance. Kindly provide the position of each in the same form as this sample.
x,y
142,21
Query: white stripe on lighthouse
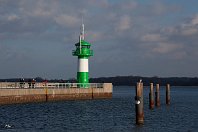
x,y
83,65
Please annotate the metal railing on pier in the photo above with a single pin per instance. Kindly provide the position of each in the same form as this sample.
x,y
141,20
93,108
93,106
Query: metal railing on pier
x,y
13,85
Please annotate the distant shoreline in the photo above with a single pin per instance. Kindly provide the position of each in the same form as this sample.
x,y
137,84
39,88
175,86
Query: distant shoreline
x,y
124,80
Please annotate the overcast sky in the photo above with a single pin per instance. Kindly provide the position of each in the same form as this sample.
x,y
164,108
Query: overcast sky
x,y
129,37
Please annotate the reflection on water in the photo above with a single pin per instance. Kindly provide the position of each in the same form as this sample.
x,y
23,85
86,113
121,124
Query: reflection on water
x,y
116,114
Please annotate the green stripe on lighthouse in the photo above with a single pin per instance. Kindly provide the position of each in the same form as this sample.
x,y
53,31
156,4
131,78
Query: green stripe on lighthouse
x,y
83,77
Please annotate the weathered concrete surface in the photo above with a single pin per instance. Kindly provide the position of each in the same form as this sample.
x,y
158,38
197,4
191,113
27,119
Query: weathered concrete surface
x,y
69,94
11,96
21,99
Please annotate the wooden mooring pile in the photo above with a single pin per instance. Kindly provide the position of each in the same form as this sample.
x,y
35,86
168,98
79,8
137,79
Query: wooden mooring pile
x,y
139,103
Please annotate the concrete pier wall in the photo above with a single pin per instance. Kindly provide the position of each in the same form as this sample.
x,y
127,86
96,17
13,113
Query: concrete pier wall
x,y
25,95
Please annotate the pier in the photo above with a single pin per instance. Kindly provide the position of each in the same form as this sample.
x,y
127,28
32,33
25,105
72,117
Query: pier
x,y
17,92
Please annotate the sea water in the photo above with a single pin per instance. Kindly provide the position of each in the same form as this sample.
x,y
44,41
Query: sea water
x,y
105,115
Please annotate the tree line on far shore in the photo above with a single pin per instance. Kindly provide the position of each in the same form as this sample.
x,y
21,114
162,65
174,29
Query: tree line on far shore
x,y
122,80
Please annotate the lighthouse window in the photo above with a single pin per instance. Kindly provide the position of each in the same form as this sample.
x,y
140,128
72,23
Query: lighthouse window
x,y
85,46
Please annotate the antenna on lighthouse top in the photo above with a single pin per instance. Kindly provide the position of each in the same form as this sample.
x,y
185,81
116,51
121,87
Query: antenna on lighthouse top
x,y
82,30
81,37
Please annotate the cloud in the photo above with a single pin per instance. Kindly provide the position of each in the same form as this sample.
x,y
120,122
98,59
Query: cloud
x,y
129,5
101,3
189,31
10,54
124,23
153,38
39,8
159,8
95,36
187,28
13,17
177,42
194,20
164,48
169,30
67,20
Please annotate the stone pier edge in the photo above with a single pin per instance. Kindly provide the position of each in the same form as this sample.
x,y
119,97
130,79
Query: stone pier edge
x,y
14,96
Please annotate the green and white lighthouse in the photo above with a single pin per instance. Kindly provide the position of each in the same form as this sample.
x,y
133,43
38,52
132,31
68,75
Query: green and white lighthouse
x,y
83,52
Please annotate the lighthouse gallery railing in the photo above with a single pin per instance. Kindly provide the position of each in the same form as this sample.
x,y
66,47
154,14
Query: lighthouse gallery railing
x,y
11,85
